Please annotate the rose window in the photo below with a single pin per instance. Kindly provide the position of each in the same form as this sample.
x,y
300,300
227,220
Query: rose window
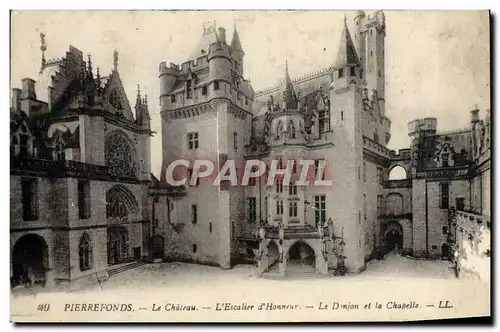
x,y
119,158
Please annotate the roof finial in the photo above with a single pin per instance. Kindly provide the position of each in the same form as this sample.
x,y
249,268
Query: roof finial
x,y
286,66
345,19
115,60
43,48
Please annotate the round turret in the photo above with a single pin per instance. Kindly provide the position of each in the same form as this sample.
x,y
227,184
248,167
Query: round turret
x,y
426,126
219,62
168,76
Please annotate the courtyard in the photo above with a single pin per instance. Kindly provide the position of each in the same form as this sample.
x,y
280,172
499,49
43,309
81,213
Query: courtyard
x,y
395,278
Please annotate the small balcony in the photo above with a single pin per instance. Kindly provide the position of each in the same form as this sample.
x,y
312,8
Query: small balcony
x,y
294,232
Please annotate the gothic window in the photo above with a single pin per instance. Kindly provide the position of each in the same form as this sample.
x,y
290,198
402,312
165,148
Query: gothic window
x,y
235,141
119,156
291,130
83,199
115,100
279,207
85,253
445,192
204,90
353,71
29,188
341,73
216,85
115,206
279,129
252,209
172,98
59,153
293,210
324,121
320,209
292,189
279,186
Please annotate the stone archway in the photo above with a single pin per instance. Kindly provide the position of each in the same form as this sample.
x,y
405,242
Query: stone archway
x,y
30,260
273,254
393,236
301,258
118,245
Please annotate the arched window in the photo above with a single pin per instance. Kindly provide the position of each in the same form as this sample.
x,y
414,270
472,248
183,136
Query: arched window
x,y
120,202
119,156
291,129
279,129
397,173
115,207
85,252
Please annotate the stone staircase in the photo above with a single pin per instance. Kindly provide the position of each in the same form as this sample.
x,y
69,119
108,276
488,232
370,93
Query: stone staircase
x,y
124,267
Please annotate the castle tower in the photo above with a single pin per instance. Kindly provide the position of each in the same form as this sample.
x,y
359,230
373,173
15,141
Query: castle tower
x,y
373,60
345,95
206,112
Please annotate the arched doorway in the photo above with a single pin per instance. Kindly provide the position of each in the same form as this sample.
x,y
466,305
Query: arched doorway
x,y
273,254
30,260
118,244
301,257
157,247
393,236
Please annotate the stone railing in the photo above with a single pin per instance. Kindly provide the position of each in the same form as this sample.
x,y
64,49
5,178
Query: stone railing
x,y
376,148
473,246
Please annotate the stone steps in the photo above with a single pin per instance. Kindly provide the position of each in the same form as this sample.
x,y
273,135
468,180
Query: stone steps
x,y
124,268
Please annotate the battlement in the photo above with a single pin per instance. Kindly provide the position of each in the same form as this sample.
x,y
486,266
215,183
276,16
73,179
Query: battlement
x,y
422,125
295,80
401,154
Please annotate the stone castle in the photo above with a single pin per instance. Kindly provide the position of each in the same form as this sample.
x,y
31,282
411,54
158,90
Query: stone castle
x,y
336,117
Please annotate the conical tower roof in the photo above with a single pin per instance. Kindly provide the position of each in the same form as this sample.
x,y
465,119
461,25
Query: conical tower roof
x,y
235,42
346,54
287,93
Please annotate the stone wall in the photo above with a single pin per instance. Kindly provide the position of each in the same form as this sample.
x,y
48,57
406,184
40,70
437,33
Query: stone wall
x,y
473,247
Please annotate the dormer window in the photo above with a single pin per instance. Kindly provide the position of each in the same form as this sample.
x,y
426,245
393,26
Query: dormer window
x,y
445,157
59,154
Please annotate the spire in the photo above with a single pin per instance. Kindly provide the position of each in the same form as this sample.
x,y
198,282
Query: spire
x,y
235,42
89,64
138,100
115,60
347,52
289,100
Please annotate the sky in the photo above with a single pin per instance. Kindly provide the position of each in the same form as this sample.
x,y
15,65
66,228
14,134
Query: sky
x,y
437,62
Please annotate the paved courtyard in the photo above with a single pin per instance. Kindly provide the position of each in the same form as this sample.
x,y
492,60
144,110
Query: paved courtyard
x,y
395,278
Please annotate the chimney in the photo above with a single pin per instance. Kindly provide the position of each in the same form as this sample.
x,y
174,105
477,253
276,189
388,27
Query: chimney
x,y
16,99
222,35
28,91
474,116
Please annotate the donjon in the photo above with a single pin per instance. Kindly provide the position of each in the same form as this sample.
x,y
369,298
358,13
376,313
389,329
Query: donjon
x,y
210,111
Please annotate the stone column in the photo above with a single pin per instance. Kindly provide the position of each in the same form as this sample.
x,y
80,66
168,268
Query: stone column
x,y
49,278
